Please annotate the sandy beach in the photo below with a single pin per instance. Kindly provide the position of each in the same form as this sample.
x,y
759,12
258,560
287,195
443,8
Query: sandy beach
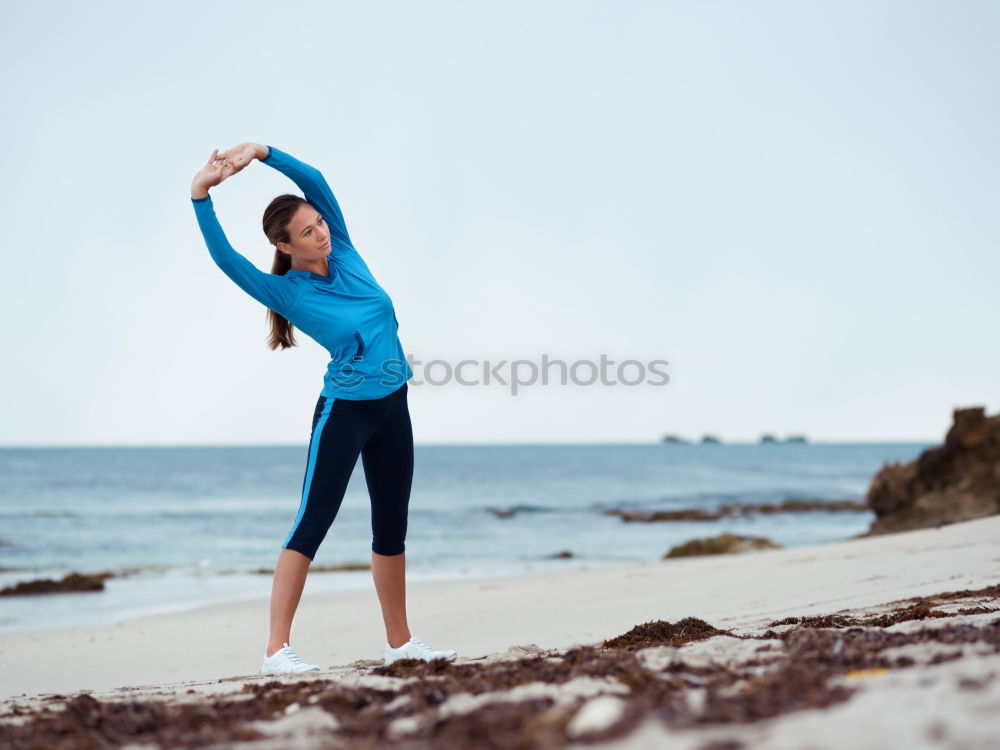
x,y
217,650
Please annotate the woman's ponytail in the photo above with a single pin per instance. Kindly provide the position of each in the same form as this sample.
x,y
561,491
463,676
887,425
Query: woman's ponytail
x,y
277,215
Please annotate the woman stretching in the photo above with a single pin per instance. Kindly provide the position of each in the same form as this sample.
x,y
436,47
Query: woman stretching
x,y
319,283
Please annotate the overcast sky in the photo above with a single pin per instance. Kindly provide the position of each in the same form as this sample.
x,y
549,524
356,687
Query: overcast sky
x,y
793,204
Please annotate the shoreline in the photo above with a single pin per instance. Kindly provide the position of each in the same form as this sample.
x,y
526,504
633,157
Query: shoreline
x,y
223,643
321,582
138,592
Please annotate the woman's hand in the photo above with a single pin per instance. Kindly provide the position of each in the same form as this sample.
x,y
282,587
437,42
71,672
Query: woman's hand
x,y
240,156
216,169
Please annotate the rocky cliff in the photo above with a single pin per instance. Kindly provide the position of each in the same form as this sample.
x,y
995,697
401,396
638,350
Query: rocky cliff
x,y
957,481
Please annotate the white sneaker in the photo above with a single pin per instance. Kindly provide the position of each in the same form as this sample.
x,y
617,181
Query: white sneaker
x,y
417,649
285,660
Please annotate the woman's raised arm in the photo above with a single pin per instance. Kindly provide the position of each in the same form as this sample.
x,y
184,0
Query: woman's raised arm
x,y
271,290
309,180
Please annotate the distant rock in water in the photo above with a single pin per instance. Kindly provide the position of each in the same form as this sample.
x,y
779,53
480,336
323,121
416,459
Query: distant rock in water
x,y
673,439
723,544
340,567
682,514
769,438
513,510
740,510
957,481
73,582
564,555
710,439
335,568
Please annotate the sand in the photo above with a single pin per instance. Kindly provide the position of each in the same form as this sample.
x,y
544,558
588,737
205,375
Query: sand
x,y
955,702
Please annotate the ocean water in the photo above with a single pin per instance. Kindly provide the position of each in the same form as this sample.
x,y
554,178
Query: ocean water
x,y
193,525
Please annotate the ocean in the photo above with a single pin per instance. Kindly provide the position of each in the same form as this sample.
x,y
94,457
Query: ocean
x,y
194,525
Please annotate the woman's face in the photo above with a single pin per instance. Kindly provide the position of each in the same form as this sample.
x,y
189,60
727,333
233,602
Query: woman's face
x,y
308,235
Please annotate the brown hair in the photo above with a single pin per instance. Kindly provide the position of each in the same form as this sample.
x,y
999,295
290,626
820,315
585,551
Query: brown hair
x,y
276,217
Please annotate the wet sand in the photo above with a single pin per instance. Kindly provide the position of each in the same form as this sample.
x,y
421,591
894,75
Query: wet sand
x,y
875,642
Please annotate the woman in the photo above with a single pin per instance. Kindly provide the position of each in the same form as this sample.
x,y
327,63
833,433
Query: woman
x,y
319,283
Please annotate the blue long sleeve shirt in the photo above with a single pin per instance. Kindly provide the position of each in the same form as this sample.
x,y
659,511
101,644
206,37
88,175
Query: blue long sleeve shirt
x,y
347,312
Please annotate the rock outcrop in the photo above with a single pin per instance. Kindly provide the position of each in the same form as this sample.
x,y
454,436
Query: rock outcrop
x,y
957,481
739,510
72,582
723,544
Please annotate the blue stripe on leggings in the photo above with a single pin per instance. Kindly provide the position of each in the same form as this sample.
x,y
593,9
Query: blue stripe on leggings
x,y
311,466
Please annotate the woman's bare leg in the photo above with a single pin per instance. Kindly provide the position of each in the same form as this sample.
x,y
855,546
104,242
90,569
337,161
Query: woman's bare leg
x,y
389,572
289,580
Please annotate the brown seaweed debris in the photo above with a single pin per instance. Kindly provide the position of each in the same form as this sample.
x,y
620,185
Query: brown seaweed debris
x,y
413,715
920,608
813,657
524,725
579,661
70,583
987,592
801,681
85,723
664,633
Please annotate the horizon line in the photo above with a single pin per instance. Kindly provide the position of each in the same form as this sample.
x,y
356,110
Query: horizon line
x,y
695,442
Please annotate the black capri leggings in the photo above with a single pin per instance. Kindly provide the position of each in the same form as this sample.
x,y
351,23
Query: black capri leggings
x,y
380,430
